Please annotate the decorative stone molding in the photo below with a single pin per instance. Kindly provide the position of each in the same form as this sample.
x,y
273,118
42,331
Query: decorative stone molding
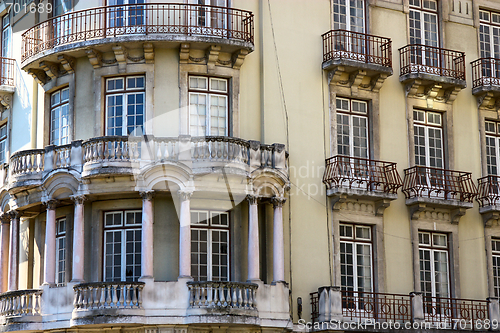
x,y
252,199
377,81
456,214
14,214
278,201
147,195
338,201
184,53
380,206
238,58
39,75
6,100
357,77
149,53
5,218
78,199
420,211
491,219
51,204
212,55
184,195
67,62
432,91
121,54
50,68
95,58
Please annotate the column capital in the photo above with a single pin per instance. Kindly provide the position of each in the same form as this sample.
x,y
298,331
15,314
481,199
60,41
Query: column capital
x,y
14,214
5,218
184,195
278,201
147,195
51,204
78,199
252,199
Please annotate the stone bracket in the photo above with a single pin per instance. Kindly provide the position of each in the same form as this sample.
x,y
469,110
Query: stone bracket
x,y
50,68
335,74
184,53
149,53
39,75
121,54
238,58
377,81
380,206
451,94
412,87
95,57
67,62
212,55
338,200
491,218
416,209
456,214
355,79
431,92
6,100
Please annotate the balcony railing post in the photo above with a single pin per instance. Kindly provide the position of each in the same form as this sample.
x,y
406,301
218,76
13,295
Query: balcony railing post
x,y
417,307
49,158
278,156
493,309
76,154
330,304
255,154
184,148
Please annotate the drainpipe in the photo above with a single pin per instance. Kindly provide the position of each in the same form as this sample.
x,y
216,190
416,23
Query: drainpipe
x,y
261,58
34,109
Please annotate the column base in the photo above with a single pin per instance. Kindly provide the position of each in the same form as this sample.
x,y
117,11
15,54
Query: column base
x,y
254,280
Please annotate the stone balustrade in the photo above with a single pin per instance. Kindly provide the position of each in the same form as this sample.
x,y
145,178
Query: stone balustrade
x,y
27,161
20,303
222,294
108,295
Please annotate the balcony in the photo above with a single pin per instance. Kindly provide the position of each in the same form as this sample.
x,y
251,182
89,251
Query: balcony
x,y
146,303
361,178
357,59
486,81
332,304
489,198
117,29
432,72
7,84
439,188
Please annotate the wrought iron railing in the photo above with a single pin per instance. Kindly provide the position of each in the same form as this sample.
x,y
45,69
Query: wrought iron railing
x,y
138,19
7,71
361,173
417,58
455,312
485,72
344,44
420,181
488,191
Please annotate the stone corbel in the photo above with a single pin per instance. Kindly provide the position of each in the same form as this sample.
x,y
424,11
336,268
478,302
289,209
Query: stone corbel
x,y
39,75
338,200
377,81
67,62
431,93
50,68
355,80
451,94
6,100
335,74
456,214
486,101
212,56
238,58
491,218
149,53
184,53
95,57
411,87
416,209
380,206
121,54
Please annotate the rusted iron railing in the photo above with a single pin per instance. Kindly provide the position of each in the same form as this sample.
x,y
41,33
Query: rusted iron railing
x,y
7,71
344,44
485,72
138,19
420,181
361,173
417,58
454,312
488,191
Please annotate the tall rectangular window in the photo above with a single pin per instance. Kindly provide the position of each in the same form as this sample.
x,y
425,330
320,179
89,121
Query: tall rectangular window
x,y
210,13
6,37
209,245
428,139
125,105
59,117
489,41
356,258
495,248
433,259
61,251
424,31
122,245
492,131
208,106
352,128
349,15
3,143
126,16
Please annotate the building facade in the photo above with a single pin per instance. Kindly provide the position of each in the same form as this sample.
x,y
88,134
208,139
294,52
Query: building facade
x,y
249,165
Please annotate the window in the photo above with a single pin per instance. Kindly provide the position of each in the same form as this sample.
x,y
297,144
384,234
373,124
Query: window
x,y
492,130
489,41
349,15
125,105
433,257
6,37
209,245
59,117
208,107
122,245
61,251
424,30
209,16
356,257
495,248
352,128
62,26
428,137
3,143
127,15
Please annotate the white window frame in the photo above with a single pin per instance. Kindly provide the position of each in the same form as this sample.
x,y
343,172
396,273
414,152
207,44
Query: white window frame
x,y
61,252
112,17
62,118
208,93
492,132
6,37
210,18
352,114
3,143
125,92
432,248
427,125
210,228
495,257
418,8
338,25
123,227
489,41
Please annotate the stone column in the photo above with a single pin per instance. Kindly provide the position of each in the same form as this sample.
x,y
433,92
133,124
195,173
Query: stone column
x,y
278,242
4,252
147,235
14,250
185,234
49,263
253,239
78,239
